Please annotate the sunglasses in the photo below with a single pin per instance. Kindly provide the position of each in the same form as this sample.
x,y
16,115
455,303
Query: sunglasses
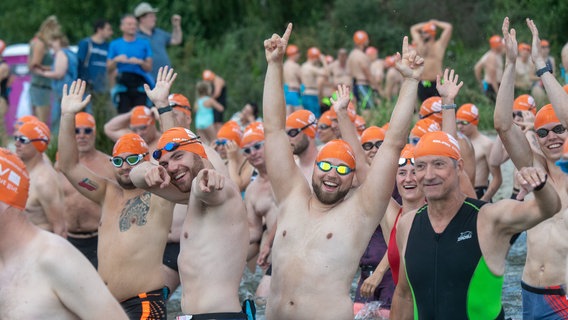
x,y
323,127
255,146
517,114
404,161
369,145
26,140
221,142
542,132
84,130
462,122
139,128
131,160
172,146
294,132
429,114
341,169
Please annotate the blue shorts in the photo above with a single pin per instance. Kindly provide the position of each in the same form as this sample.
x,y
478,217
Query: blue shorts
x,y
311,103
292,97
40,96
544,303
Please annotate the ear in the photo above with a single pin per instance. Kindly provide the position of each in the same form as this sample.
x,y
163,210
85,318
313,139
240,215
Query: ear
x,y
460,164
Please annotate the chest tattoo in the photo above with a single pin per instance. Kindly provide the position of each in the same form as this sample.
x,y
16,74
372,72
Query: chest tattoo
x,y
135,211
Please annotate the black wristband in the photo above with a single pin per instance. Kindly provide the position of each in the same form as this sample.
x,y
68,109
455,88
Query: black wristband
x,y
164,109
542,71
540,186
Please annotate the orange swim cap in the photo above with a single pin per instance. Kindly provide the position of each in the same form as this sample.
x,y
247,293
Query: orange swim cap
x,y
525,102
302,118
14,180
372,133
84,119
251,135
495,41
255,125
230,131
468,112
313,53
208,75
181,135
23,120
424,126
565,88
432,108
325,118
545,116
544,43
371,51
328,59
141,116
390,61
407,152
36,130
429,28
130,143
291,50
337,149
360,37
437,143
524,46
177,100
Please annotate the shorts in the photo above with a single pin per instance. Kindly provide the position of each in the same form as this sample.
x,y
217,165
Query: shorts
x,y
427,89
150,305
383,292
269,271
214,316
171,255
544,303
489,91
218,116
40,96
311,103
515,193
292,97
364,95
480,191
87,246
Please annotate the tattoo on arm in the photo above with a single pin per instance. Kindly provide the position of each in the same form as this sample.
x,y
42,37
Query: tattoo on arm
x,y
88,184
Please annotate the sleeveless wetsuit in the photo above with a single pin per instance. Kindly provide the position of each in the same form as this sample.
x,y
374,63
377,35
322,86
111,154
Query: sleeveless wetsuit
x,y
446,271
392,250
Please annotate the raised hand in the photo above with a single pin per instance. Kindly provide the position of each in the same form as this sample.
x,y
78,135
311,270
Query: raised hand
x,y
232,149
342,98
157,176
410,64
176,20
72,101
530,178
511,48
448,86
536,50
209,180
275,47
164,80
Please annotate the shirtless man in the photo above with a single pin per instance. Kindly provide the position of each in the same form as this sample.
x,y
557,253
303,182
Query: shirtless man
x,y
377,69
41,275
134,225
82,215
525,70
543,276
315,256
310,71
467,119
292,79
45,202
359,64
490,66
338,69
301,131
433,51
393,79
141,120
181,109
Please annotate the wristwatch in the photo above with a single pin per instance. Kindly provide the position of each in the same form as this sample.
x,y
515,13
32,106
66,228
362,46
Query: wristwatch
x,y
164,109
544,70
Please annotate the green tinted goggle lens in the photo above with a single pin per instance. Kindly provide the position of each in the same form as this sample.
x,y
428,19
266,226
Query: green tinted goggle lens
x,y
341,169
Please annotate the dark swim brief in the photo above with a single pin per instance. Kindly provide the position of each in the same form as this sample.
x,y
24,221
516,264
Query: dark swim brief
x,y
87,246
171,254
215,316
147,306
544,303
480,191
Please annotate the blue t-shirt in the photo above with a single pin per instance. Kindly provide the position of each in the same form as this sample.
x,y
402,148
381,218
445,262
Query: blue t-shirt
x,y
92,58
139,48
159,41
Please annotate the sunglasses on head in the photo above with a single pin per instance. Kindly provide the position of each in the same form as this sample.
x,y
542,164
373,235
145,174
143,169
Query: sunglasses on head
x,y
26,140
221,142
131,160
294,132
429,114
404,161
172,146
341,169
84,130
369,145
462,122
543,132
256,146
323,127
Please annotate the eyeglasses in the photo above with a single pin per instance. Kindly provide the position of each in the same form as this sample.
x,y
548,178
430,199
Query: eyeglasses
x,y
341,169
404,161
221,142
139,128
294,132
517,114
414,140
26,140
323,127
172,146
255,146
543,132
369,145
131,160
463,122
429,114
84,130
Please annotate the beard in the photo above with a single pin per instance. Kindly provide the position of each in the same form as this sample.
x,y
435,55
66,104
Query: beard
x,y
124,183
328,198
301,146
193,171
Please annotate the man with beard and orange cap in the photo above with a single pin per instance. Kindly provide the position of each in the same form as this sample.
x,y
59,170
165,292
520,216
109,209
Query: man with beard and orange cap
x,y
141,120
543,286
42,276
134,225
82,215
453,249
301,131
321,235
433,51
45,203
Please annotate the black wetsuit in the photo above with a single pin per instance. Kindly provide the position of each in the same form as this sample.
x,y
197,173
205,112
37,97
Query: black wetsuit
x,y
447,272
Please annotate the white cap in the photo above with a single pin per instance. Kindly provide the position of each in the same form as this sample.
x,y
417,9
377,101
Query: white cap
x,y
143,8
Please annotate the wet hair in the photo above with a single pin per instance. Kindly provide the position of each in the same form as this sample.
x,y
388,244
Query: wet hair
x,y
203,88
99,24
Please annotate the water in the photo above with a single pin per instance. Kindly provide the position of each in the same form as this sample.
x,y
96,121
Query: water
x,y
511,288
